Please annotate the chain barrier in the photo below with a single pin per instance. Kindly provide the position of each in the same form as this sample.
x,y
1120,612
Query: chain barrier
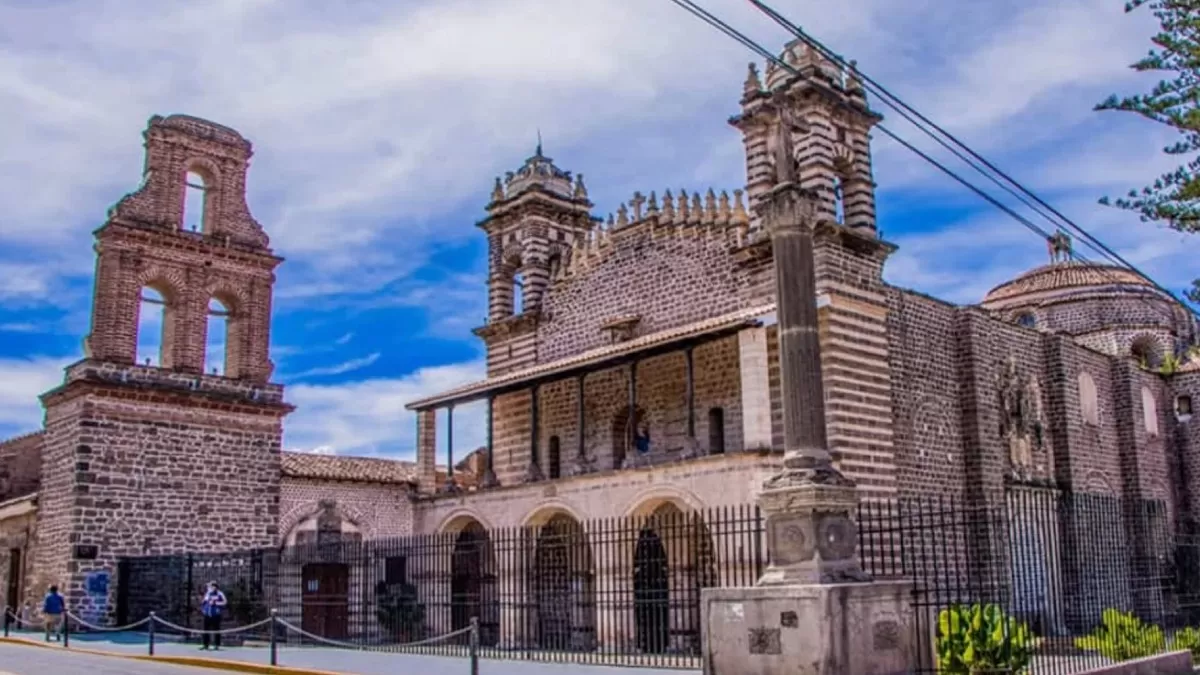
x,y
472,630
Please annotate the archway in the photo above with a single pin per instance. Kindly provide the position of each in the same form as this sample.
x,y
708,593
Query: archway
x,y
563,585
473,584
623,434
672,561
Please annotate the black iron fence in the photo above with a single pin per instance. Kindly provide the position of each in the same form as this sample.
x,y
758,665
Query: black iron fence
x,y
1059,577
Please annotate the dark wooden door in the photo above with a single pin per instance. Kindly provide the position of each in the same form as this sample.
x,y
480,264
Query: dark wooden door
x,y
325,602
14,579
651,593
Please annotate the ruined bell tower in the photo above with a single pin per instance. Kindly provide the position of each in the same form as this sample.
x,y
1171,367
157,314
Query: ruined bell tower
x,y
535,214
163,455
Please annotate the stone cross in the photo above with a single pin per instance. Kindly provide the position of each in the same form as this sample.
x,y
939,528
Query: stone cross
x,y
636,203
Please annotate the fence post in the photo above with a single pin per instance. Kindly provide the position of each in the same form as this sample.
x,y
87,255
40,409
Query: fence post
x,y
474,645
274,627
151,625
66,629
6,620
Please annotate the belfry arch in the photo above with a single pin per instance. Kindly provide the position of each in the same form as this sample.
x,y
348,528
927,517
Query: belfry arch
x,y
563,590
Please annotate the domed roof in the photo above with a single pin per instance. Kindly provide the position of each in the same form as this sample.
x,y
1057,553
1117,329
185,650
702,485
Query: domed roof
x,y
1063,278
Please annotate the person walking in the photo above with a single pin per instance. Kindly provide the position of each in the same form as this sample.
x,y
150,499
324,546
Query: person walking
x,y
54,607
212,605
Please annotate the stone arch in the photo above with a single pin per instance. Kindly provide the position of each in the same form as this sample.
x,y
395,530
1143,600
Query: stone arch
x,y
647,501
563,582
1089,401
931,423
473,576
548,509
672,559
169,284
456,520
1147,350
1026,318
623,434
1096,481
300,514
234,301
210,174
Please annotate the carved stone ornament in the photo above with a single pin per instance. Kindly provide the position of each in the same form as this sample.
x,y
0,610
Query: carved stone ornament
x,y
1021,424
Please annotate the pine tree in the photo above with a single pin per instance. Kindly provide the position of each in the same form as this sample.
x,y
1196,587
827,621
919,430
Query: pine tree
x,y
1174,198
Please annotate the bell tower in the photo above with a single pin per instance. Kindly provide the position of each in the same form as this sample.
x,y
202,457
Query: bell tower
x,y
534,216
830,132
162,455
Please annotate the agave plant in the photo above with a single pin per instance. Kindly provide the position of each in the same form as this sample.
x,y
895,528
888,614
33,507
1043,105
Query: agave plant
x,y
980,639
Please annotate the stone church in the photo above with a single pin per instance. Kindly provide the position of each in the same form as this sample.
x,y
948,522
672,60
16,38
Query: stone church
x,y
632,367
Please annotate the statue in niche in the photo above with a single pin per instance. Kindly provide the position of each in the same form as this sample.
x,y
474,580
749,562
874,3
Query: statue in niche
x,y
1020,417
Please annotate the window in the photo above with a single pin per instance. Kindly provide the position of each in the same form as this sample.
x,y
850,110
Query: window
x,y
395,570
216,338
1145,350
839,202
1027,319
554,459
1183,408
152,349
195,198
518,293
716,431
1089,406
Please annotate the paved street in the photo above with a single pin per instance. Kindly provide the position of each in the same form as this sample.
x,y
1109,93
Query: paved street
x,y
327,659
18,660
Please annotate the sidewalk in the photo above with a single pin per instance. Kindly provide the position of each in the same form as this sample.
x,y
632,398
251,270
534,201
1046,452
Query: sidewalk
x,y
332,660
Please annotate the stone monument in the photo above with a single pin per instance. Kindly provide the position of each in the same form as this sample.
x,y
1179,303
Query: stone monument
x,y
814,611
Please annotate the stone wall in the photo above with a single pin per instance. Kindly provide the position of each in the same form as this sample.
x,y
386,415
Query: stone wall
x,y
18,531
1187,443
145,473
666,275
378,510
661,395
20,465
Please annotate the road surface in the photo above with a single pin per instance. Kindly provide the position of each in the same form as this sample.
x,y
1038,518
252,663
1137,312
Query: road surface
x,y
21,660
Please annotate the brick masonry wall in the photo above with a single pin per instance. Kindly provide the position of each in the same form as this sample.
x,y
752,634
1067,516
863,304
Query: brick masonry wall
x,y
20,465
661,394
1187,443
17,533
142,474
378,510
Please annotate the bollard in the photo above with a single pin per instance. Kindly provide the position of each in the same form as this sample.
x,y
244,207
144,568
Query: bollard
x,y
151,624
274,649
7,619
474,645
66,629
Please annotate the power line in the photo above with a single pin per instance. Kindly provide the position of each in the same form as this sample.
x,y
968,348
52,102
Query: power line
x,y
909,114
925,124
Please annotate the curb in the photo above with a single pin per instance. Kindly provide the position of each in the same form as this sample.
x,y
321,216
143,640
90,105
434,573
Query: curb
x,y
194,661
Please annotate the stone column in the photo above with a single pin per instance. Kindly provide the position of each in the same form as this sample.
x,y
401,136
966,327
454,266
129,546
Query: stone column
x,y
426,450
756,388
814,610
489,479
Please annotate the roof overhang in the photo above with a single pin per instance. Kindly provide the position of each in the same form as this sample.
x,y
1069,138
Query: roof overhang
x,y
644,347
20,506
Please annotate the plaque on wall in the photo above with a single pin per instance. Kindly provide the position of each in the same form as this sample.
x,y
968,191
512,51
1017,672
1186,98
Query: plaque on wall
x,y
86,551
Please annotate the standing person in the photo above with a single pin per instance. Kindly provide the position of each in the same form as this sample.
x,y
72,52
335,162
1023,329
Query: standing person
x,y
53,609
211,606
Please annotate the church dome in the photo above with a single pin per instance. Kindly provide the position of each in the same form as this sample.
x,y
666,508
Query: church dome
x,y
1062,280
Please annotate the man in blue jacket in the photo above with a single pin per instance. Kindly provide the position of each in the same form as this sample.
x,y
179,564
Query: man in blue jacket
x,y
212,605
54,607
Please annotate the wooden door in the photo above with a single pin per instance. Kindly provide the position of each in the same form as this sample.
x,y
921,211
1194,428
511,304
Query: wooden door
x,y
13,595
325,602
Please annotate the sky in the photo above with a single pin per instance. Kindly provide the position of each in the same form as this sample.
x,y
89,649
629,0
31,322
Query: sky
x,y
378,128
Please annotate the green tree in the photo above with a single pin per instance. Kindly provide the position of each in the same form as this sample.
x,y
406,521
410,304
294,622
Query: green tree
x,y
1174,198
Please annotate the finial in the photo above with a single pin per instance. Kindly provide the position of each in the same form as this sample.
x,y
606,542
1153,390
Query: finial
x,y
1059,246
538,152
636,202
580,188
652,206
611,221
622,216
710,207
681,209
497,190
753,84
723,213
697,211
740,217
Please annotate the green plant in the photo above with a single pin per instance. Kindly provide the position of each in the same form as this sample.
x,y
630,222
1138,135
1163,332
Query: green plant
x,y
398,609
1121,636
1170,364
982,639
1189,639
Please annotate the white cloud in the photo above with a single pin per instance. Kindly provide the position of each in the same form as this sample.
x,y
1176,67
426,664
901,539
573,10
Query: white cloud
x,y
340,368
368,417
24,380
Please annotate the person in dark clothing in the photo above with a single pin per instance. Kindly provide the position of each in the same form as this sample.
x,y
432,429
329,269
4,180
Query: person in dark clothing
x,y
212,605
53,609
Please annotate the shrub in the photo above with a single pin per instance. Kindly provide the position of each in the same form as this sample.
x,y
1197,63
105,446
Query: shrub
x,y
1121,636
399,611
1189,639
982,639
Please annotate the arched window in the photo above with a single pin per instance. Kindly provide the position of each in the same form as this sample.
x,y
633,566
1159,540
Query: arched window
x,y
1149,412
839,200
217,338
554,458
1145,350
716,431
1089,405
1027,319
518,293
195,198
152,331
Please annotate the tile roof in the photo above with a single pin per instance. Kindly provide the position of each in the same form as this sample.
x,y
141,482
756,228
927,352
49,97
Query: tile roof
x,y
1063,276
598,355
357,469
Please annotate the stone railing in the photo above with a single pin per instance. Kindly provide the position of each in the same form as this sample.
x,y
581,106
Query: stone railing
x,y
163,378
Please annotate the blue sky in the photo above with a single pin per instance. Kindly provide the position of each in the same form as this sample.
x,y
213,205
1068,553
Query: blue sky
x,y
378,128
